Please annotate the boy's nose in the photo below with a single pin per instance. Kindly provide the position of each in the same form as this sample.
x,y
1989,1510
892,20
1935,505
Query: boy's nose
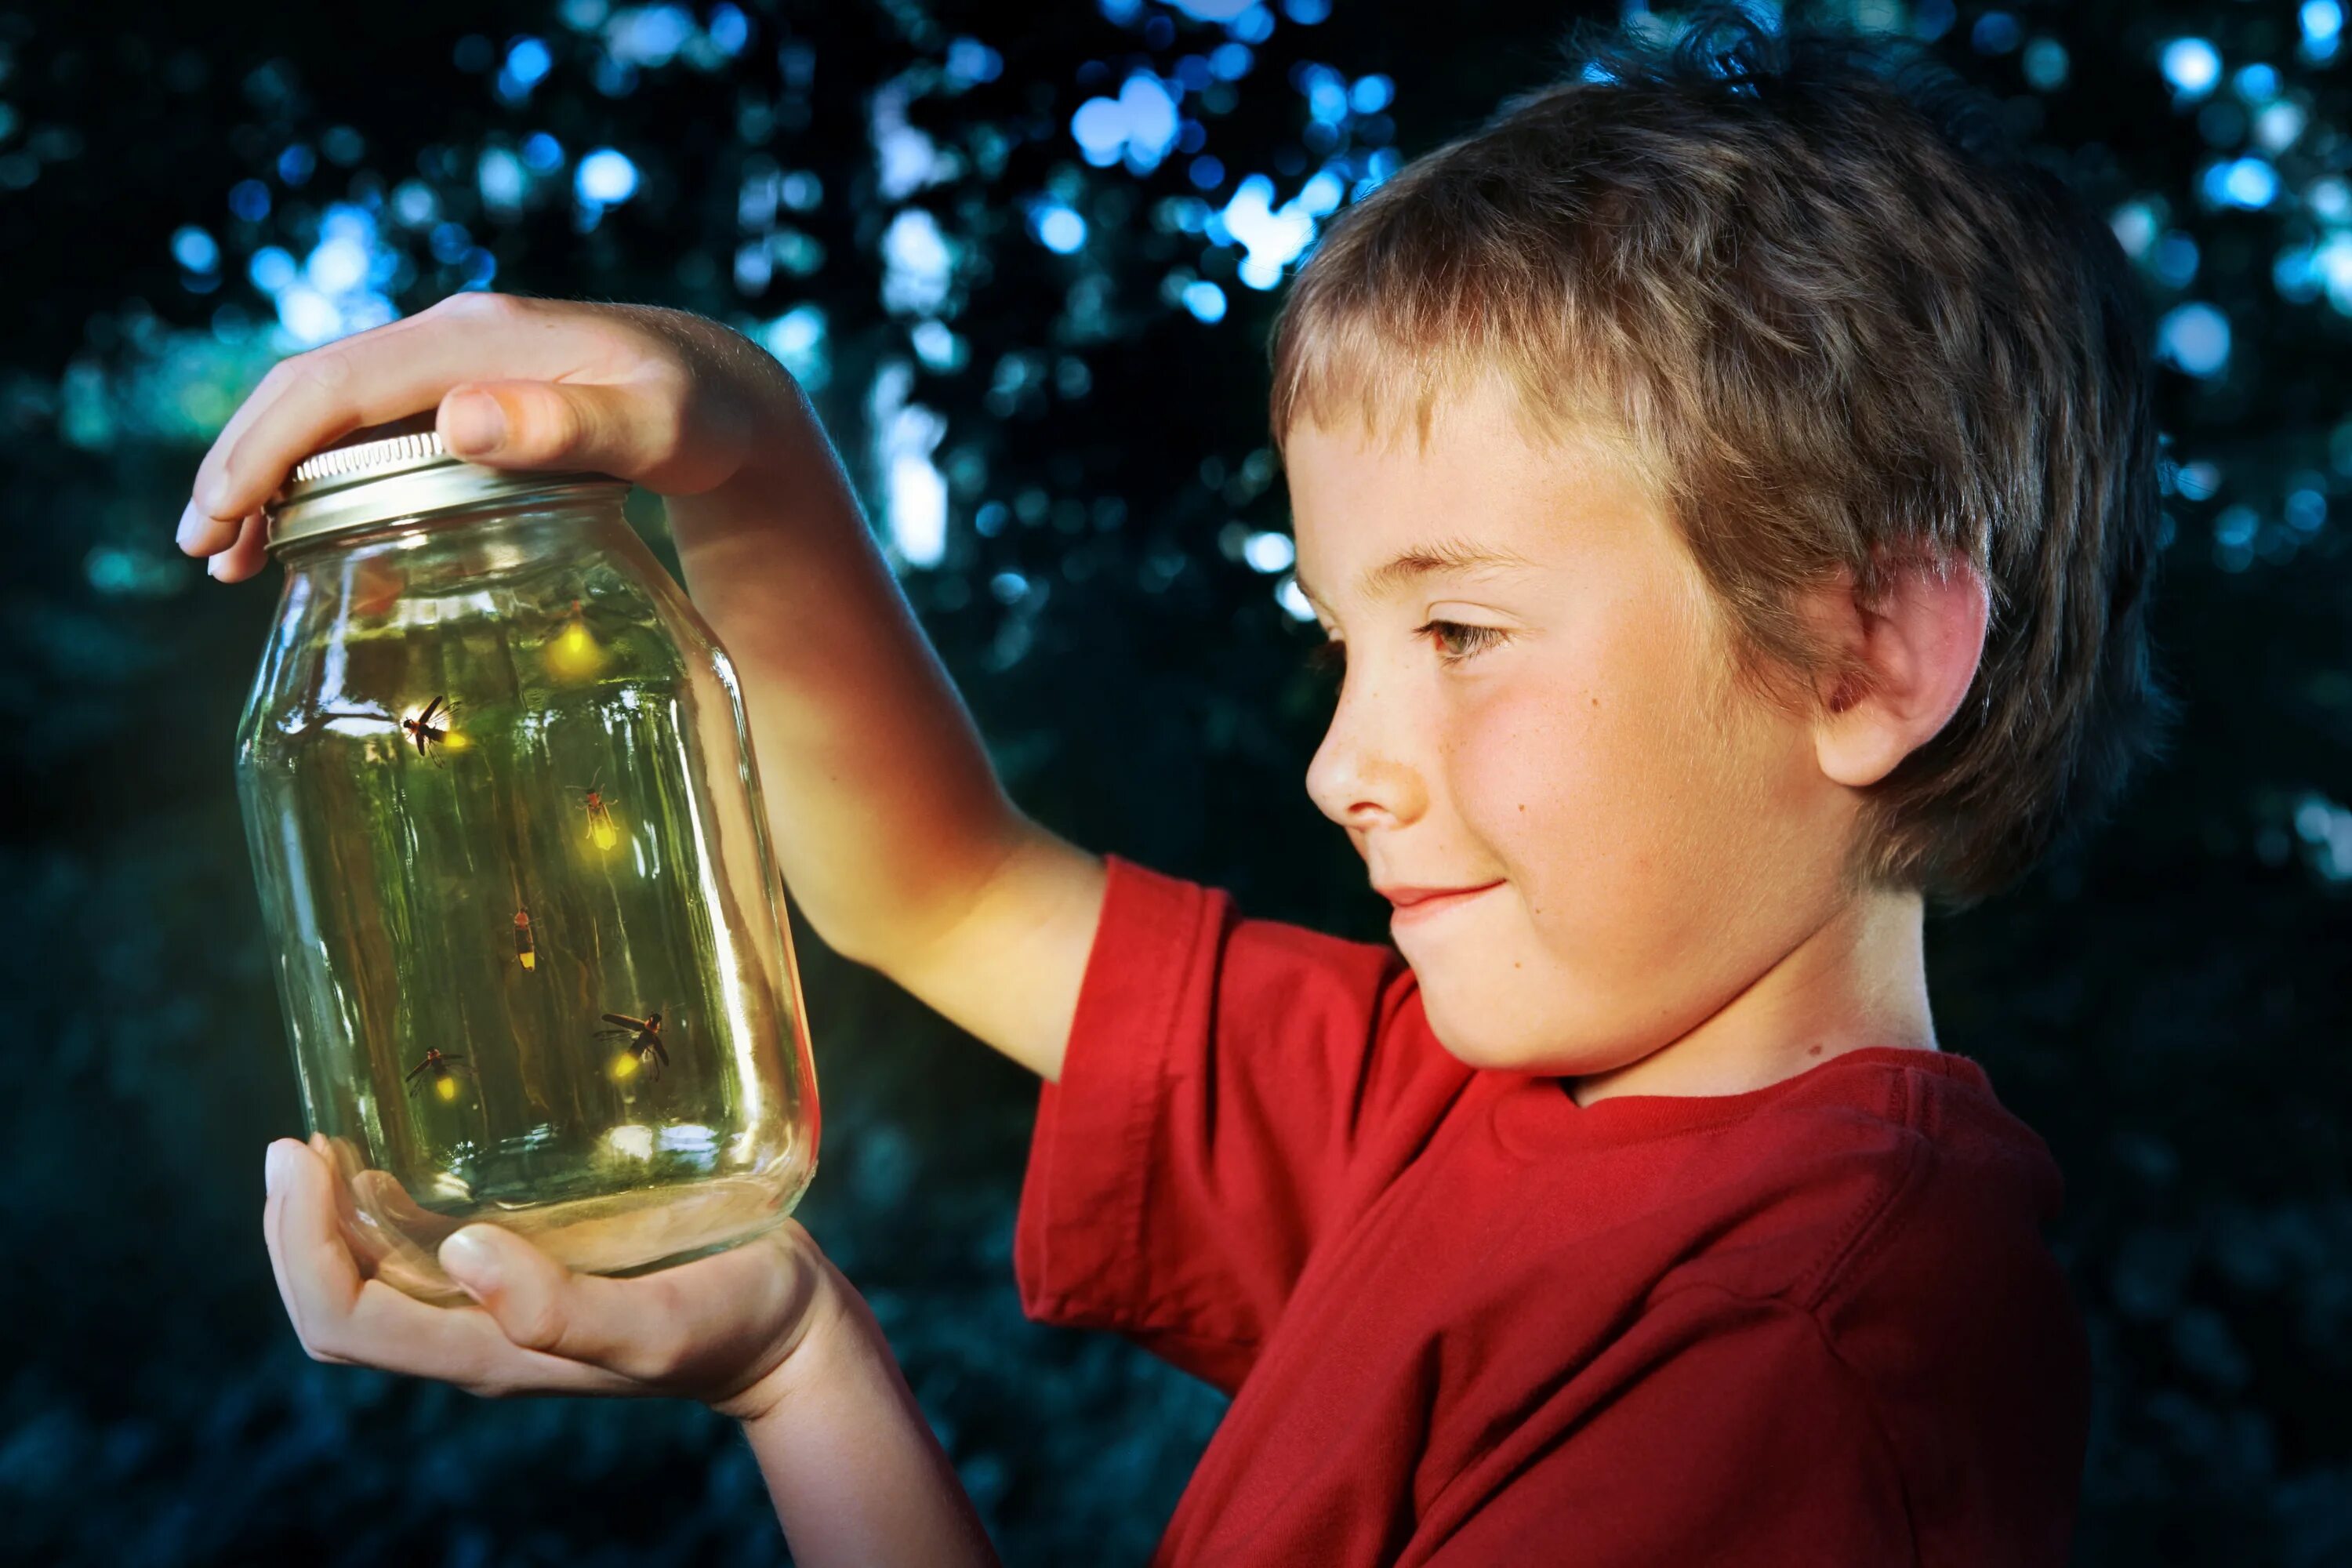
x,y
1358,781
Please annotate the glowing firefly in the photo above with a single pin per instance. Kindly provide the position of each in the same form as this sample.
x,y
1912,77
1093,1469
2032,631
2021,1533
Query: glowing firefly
x,y
526,951
444,1070
573,653
645,1047
601,831
427,734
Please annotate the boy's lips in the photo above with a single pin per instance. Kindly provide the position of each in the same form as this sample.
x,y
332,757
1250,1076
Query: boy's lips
x,y
1414,904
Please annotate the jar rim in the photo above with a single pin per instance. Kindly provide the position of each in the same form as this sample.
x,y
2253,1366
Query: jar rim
x,y
398,470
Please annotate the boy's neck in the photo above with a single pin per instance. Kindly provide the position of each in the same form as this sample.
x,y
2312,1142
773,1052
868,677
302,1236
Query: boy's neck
x,y
1859,980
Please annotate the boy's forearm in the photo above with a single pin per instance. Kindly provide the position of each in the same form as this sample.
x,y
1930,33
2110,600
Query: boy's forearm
x,y
889,824
853,1470
887,815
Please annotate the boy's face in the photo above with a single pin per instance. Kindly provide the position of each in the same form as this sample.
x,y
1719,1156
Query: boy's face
x,y
1539,720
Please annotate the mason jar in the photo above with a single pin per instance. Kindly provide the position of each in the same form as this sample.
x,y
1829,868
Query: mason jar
x,y
528,936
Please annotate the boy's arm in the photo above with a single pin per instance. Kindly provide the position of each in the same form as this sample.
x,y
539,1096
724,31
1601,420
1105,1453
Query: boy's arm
x,y
893,832
857,1476
898,841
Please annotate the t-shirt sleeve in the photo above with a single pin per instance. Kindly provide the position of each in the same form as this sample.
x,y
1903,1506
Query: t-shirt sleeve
x,y
1736,1436
1221,1078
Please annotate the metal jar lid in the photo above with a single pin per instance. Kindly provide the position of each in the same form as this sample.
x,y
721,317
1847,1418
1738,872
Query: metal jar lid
x,y
398,470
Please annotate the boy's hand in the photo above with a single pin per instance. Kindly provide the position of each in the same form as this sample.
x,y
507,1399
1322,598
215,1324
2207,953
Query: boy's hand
x,y
721,1330
769,1333
665,399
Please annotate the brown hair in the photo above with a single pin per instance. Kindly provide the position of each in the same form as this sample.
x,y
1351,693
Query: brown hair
x,y
1841,322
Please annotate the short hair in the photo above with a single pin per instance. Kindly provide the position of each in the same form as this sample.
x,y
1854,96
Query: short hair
x,y
1808,283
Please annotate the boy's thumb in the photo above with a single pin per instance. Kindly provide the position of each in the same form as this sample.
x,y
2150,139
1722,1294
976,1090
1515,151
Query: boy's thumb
x,y
548,425
543,1305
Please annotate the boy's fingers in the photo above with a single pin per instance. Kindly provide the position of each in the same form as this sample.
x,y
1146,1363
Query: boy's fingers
x,y
244,555
341,1318
629,428
199,533
700,1328
379,375
317,1278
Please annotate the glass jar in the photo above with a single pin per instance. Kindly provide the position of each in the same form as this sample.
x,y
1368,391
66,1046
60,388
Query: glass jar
x,y
528,936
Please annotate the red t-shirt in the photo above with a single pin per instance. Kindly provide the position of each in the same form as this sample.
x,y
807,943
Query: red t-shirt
x,y
1465,1320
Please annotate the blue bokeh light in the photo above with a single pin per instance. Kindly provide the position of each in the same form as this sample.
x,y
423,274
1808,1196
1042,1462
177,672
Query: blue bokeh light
x,y
1205,301
501,175
2193,67
2257,83
2174,259
605,177
1271,237
1996,33
195,249
918,263
271,268
797,339
1270,552
2045,65
2247,182
1057,228
970,62
729,29
528,63
2196,339
1138,127
648,35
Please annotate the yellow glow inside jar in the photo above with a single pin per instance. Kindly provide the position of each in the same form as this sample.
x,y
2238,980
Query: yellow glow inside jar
x,y
573,653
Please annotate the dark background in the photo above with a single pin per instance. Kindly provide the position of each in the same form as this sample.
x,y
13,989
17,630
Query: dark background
x,y
187,193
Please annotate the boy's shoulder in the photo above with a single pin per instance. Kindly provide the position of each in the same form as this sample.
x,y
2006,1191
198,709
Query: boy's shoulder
x,y
1891,1187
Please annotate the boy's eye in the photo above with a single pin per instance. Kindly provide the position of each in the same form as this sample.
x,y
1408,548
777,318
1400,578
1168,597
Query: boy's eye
x,y
1457,642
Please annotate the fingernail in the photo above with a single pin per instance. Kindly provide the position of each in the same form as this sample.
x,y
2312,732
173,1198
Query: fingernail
x,y
273,1168
213,567
470,1259
473,422
193,525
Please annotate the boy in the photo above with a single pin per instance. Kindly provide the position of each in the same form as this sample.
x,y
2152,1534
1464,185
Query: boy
x,y
1729,478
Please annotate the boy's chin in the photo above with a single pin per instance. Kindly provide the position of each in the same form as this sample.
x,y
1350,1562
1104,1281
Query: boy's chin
x,y
1495,1044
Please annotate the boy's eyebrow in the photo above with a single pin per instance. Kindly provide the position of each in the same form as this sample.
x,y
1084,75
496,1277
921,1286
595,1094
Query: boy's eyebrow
x,y
1421,560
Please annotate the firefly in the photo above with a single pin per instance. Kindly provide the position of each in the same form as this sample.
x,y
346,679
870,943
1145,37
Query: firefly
x,y
444,1070
526,951
423,730
573,653
601,831
645,1040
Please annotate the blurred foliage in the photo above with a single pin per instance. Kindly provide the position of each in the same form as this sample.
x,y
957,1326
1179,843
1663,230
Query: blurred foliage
x,y
1023,260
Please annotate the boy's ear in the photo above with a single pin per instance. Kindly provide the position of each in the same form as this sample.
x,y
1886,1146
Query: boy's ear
x,y
1909,656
